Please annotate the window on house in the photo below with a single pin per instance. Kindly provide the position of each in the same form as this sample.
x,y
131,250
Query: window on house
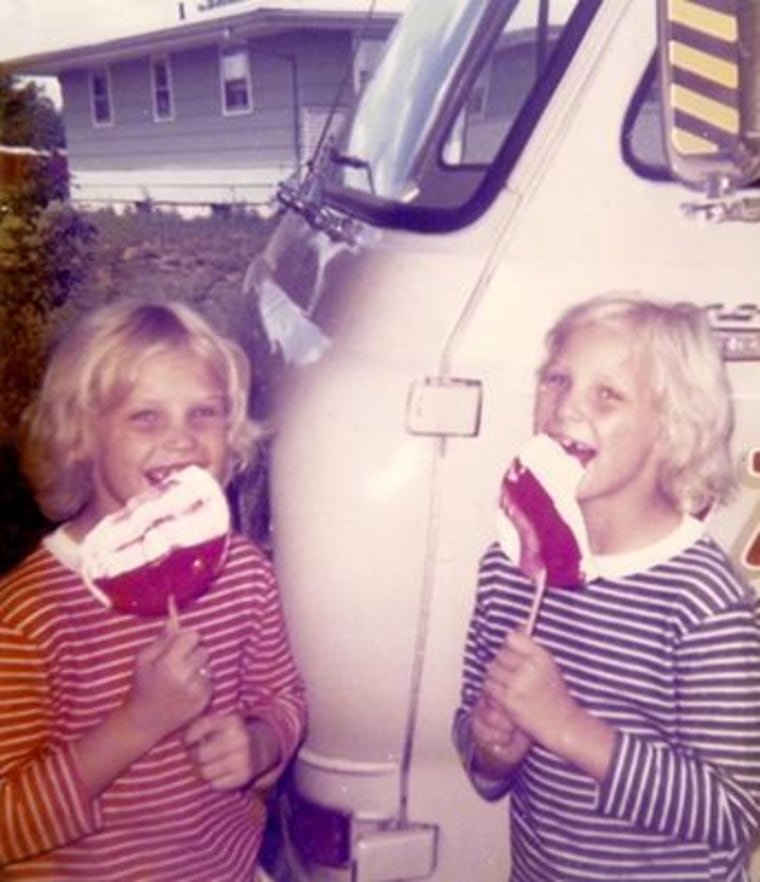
x,y
100,95
235,71
163,96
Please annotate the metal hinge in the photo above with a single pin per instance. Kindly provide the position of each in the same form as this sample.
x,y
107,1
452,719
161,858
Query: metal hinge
x,y
743,208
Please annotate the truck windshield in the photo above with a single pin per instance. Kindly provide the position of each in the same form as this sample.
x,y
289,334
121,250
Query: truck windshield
x,y
442,111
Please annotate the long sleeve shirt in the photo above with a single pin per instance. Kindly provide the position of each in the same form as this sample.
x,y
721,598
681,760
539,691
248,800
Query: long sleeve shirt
x,y
66,661
665,647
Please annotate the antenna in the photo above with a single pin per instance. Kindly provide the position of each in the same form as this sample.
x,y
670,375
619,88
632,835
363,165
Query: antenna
x,y
346,75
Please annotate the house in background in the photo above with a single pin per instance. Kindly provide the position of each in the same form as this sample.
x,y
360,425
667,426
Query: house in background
x,y
215,110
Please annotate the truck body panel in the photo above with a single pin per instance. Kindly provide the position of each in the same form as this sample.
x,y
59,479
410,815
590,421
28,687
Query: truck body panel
x,y
395,421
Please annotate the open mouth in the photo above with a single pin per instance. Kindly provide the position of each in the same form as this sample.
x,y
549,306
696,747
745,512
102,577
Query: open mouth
x,y
160,475
582,452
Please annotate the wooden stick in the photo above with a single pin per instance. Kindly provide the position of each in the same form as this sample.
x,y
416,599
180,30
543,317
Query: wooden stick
x,y
172,620
537,598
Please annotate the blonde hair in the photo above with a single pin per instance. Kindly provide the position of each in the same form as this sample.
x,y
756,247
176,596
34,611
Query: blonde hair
x,y
94,368
691,389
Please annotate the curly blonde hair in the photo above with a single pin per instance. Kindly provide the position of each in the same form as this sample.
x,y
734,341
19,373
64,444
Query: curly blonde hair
x,y
690,384
94,368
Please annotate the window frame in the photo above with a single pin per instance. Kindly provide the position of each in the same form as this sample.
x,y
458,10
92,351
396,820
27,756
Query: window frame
x,y
242,52
101,74
642,168
484,180
168,87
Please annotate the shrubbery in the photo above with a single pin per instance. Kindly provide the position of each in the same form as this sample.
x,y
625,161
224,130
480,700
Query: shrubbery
x,y
45,251
44,254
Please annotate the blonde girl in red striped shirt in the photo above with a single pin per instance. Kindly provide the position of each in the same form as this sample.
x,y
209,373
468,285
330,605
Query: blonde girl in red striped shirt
x,y
132,749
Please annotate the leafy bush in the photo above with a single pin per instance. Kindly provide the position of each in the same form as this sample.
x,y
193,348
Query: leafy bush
x,y
28,117
44,253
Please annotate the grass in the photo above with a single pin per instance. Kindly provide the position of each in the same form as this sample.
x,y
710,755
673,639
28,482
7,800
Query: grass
x,y
161,255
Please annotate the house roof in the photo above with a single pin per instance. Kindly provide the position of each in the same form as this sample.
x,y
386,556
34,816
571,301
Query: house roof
x,y
255,18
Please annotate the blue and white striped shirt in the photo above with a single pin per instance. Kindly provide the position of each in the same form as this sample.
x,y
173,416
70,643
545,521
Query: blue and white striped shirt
x,y
668,654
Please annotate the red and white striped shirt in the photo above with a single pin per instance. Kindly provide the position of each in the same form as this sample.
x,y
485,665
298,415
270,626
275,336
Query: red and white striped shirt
x,y
66,661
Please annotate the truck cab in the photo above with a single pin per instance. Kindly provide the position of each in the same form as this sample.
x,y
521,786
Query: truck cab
x,y
505,159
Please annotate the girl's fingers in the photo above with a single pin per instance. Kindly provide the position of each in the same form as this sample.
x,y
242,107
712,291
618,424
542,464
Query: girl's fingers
x,y
201,729
521,644
153,651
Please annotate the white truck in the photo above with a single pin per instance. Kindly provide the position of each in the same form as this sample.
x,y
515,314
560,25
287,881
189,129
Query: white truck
x,y
507,158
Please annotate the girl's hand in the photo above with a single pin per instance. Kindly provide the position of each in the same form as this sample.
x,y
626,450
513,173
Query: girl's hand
x,y
228,752
171,685
525,681
499,743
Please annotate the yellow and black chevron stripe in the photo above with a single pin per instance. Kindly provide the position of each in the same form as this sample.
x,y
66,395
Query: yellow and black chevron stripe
x,y
703,55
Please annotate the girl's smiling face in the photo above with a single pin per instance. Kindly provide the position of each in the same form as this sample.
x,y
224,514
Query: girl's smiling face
x,y
174,415
595,397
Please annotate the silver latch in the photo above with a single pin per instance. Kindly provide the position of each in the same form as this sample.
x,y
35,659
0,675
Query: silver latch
x,y
444,406
737,330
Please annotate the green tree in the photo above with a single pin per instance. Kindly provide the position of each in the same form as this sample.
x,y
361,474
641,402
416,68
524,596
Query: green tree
x,y
28,118
45,251
44,243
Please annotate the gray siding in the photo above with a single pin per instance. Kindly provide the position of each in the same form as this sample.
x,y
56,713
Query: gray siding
x,y
200,135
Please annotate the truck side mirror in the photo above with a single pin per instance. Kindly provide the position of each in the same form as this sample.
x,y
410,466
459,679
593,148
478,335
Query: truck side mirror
x,y
710,76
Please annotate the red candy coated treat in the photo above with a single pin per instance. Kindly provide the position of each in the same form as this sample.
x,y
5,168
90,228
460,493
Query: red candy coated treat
x,y
538,496
170,541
